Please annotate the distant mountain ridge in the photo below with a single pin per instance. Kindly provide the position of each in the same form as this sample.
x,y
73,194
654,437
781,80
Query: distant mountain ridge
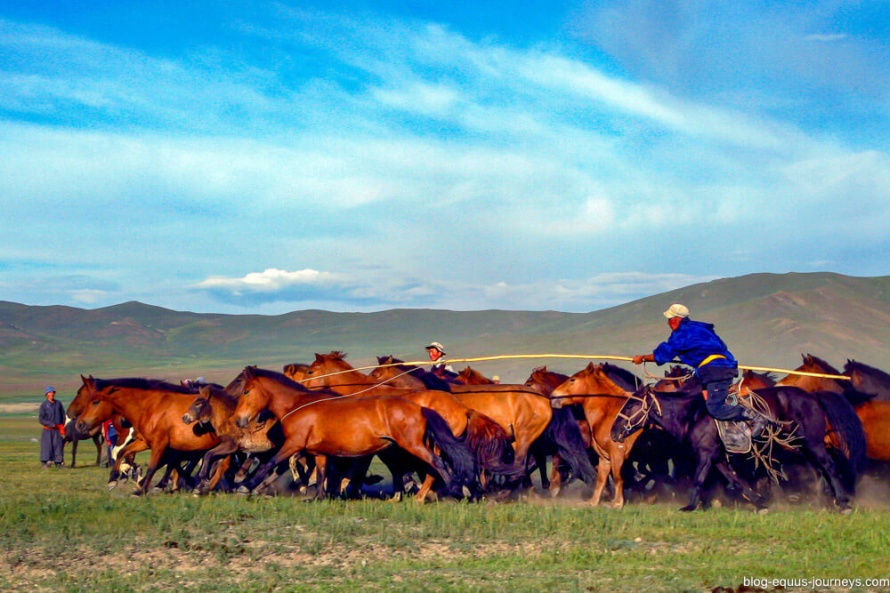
x,y
767,319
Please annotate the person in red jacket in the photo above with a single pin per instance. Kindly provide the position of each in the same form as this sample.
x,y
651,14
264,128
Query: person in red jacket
x,y
52,417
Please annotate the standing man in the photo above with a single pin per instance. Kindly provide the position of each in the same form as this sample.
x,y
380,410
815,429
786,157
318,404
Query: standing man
x,y
697,344
52,417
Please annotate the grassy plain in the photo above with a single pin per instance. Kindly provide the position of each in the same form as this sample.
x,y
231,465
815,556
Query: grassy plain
x,y
62,530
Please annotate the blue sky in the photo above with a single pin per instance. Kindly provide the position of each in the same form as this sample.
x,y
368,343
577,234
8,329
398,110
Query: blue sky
x,y
265,157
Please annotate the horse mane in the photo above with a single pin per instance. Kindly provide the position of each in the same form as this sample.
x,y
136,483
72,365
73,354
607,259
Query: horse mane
x,y
145,385
332,355
295,366
818,362
237,384
399,364
623,375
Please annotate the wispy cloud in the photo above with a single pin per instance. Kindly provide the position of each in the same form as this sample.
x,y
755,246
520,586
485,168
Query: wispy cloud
x,y
359,164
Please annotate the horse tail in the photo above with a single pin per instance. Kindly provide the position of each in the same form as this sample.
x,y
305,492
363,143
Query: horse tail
x,y
456,452
846,430
563,431
489,441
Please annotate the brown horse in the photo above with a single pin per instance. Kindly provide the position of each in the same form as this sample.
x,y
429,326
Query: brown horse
x,y
216,408
353,427
470,376
522,413
487,439
155,410
602,400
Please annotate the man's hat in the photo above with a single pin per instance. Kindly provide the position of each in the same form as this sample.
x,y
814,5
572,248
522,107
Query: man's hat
x,y
437,346
676,310
49,389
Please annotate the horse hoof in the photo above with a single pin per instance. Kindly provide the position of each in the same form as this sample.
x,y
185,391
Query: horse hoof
x,y
112,485
688,508
762,511
846,510
242,490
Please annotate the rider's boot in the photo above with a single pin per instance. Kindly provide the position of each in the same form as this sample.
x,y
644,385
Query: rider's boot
x,y
759,422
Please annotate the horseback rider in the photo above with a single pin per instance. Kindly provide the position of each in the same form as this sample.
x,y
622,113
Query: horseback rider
x,y
697,344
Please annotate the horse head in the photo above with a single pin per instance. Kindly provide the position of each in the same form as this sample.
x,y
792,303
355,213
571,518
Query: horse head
x,y
253,399
201,410
634,414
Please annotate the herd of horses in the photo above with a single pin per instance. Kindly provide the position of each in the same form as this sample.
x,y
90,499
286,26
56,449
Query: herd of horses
x,y
464,436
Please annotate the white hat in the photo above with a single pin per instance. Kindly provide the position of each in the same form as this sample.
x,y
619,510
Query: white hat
x,y
437,346
676,310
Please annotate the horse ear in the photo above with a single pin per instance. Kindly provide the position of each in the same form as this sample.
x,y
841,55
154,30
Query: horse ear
x,y
319,357
590,367
204,391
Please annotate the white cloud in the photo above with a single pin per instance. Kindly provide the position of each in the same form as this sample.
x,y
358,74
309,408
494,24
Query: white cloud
x,y
269,280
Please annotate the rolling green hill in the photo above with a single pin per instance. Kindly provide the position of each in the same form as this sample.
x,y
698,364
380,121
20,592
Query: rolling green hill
x,y
767,319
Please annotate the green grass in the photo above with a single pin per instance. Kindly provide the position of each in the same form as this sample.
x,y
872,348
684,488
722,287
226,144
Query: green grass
x,y
62,530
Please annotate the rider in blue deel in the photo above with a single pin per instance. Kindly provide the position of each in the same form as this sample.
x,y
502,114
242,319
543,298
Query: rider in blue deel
x,y
696,344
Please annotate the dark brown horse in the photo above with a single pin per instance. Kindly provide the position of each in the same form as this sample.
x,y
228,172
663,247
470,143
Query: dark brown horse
x,y
869,381
873,412
683,414
73,437
352,427
487,439
155,410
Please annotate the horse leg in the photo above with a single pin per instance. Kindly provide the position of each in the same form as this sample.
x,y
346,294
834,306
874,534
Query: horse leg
x,y
703,468
603,469
758,500
221,468
819,456
156,455
284,453
225,448
98,441
321,463
617,463
129,450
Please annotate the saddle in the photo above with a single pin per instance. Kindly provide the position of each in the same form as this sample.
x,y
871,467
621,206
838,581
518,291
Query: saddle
x,y
735,434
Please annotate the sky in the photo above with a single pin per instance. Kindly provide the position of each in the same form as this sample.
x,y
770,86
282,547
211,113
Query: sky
x,y
258,157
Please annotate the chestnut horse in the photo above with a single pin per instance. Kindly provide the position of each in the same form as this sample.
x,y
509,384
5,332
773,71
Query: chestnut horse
x,y
522,413
353,427
155,410
601,399
470,376
487,439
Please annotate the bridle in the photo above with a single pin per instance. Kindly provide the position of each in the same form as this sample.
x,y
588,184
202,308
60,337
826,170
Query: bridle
x,y
641,415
